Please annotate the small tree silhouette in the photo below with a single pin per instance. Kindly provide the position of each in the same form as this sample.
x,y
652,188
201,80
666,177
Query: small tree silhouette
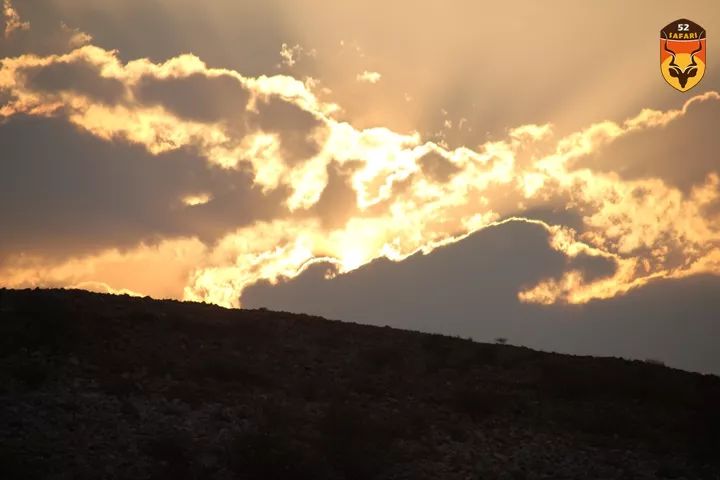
x,y
501,340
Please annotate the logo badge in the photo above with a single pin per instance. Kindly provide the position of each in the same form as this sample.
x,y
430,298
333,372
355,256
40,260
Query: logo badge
x,y
682,54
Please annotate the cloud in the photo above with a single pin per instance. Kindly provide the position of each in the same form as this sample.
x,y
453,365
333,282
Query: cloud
x,y
437,167
68,193
682,154
199,199
400,195
77,38
197,96
47,35
12,20
468,289
640,237
176,104
291,55
78,77
492,264
368,77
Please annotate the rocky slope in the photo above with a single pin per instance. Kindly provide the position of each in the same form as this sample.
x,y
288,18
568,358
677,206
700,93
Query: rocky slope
x,y
101,386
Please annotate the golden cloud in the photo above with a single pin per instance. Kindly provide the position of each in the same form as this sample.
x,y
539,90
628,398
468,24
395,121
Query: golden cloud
x,y
12,19
409,196
368,76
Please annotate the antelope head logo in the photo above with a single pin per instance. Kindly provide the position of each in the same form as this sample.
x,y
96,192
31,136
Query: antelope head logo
x,y
682,74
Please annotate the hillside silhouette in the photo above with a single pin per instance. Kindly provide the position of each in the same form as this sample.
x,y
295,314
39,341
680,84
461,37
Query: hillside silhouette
x,y
104,386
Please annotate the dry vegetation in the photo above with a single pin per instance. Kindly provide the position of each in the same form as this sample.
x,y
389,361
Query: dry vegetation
x,y
99,386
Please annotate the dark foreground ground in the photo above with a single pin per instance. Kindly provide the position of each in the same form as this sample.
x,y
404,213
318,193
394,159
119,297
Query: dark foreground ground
x,y
99,386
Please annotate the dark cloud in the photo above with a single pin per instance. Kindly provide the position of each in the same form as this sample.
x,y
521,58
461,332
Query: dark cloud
x,y
197,97
338,200
79,77
244,36
681,153
469,289
6,96
491,265
592,267
66,192
437,167
293,125
224,99
47,33
670,320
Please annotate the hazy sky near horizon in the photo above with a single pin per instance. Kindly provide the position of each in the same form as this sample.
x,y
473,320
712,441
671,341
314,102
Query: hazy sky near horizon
x,y
476,168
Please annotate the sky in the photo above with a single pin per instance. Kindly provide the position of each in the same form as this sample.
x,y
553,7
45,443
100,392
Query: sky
x,y
482,169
